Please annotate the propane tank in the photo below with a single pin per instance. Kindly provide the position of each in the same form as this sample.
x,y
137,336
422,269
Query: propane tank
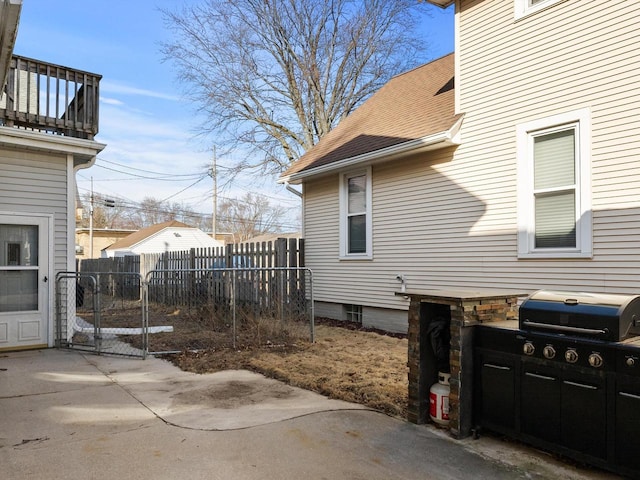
x,y
439,400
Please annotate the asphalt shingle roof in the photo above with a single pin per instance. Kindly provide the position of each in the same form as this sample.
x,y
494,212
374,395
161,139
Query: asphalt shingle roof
x,y
412,105
137,237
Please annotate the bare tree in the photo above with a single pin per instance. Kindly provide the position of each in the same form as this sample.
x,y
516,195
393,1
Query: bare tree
x,y
274,76
249,216
103,216
128,215
151,211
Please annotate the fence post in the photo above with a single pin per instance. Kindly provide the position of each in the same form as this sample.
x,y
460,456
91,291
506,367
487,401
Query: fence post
x,y
280,248
97,309
192,277
165,274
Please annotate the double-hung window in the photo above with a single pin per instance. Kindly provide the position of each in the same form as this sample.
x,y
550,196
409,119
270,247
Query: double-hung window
x,y
554,198
527,7
355,215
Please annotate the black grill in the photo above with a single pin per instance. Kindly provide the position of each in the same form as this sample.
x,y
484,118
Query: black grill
x,y
604,317
565,378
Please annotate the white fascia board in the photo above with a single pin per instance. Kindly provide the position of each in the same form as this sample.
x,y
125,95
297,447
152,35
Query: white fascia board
x,y
83,151
446,138
441,3
9,19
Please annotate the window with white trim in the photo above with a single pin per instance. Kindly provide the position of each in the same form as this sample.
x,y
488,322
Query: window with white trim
x,y
554,197
527,7
355,215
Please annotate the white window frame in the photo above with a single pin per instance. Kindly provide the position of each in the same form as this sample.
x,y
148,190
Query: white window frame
x,y
344,209
580,121
522,8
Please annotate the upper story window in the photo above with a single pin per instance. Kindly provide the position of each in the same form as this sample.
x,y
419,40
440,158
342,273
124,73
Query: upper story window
x,y
527,7
355,215
554,197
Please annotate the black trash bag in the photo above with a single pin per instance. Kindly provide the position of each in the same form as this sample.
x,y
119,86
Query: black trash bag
x,y
439,335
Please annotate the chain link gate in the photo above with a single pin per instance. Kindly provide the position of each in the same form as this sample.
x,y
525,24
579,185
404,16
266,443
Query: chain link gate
x,y
101,313
174,310
235,308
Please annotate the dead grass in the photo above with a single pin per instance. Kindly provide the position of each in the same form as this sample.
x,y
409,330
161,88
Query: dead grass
x,y
356,366
346,362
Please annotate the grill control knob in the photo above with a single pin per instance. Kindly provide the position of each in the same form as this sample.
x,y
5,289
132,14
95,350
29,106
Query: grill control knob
x,y
571,356
630,362
549,352
596,360
528,348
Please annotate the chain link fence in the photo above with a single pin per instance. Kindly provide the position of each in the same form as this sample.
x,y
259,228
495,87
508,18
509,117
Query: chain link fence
x,y
173,310
101,313
229,307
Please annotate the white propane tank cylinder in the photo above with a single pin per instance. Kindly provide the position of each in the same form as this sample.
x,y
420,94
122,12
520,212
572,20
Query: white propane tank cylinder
x,y
439,400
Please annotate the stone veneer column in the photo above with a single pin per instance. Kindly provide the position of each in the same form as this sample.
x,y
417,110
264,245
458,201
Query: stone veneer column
x,y
466,311
415,411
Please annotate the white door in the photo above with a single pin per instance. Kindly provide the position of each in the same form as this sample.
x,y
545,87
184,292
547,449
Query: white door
x,y
24,282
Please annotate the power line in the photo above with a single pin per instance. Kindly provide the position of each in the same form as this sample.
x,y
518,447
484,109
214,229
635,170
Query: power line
x,y
136,206
186,188
141,169
165,176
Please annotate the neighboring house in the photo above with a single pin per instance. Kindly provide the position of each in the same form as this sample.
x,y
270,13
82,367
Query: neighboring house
x,y
526,177
102,238
45,137
271,237
172,236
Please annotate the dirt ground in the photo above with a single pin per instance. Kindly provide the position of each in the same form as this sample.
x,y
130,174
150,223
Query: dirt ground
x,y
349,364
346,362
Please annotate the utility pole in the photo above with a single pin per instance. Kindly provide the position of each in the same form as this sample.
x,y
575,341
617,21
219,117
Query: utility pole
x,y
215,193
106,202
91,221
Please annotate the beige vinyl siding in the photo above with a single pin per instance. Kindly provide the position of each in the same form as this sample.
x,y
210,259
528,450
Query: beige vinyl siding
x,y
570,56
448,219
36,183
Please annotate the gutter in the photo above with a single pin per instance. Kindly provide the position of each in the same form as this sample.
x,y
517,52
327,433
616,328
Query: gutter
x,y
9,19
438,140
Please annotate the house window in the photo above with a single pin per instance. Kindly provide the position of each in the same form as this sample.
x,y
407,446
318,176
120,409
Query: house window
x,y
353,313
554,198
355,215
527,7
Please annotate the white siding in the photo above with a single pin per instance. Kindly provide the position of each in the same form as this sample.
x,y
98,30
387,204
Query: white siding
x,y
573,55
175,240
36,183
449,218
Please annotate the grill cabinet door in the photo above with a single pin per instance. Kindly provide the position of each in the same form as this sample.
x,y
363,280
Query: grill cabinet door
x,y
540,402
584,415
496,395
627,422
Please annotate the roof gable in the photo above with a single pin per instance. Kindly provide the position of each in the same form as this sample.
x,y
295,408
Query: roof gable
x,y
143,233
411,106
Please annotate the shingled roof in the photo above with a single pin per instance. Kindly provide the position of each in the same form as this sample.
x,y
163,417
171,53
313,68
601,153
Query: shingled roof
x,y
414,110
143,233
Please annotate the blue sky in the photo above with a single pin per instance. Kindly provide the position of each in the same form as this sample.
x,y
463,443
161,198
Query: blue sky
x,y
149,128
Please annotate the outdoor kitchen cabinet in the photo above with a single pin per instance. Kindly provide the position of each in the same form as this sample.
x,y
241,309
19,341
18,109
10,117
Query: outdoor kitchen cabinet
x,y
564,407
496,381
496,391
586,414
627,423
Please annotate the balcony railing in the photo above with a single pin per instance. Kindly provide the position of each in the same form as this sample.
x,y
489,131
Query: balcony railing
x,y
43,97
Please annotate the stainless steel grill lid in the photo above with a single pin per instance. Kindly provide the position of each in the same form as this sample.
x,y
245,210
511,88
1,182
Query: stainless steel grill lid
x,y
594,315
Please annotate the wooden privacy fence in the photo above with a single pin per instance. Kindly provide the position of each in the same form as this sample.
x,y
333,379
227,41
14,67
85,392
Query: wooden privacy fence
x,y
283,252
190,278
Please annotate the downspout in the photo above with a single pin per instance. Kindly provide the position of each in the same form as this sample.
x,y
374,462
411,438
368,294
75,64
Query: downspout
x,y
292,190
301,196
